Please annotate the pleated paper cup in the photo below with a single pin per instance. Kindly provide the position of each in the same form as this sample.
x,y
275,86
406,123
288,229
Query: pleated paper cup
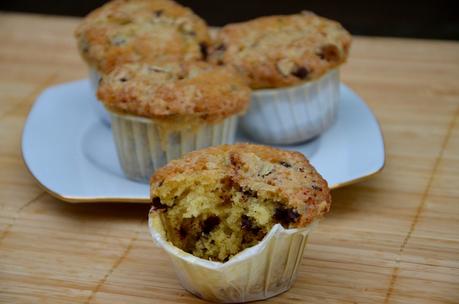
x,y
98,108
256,273
143,146
295,114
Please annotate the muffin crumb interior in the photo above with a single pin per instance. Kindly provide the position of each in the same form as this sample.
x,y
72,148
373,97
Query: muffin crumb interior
x,y
218,201
217,218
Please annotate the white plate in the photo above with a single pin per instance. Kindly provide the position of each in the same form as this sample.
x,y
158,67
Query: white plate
x,y
71,152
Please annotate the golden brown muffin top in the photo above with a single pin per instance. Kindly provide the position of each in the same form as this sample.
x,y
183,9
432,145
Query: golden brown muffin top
x,y
280,51
175,90
124,31
258,171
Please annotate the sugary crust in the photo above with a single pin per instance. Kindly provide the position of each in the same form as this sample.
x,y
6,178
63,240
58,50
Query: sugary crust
x,y
124,31
260,169
175,91
280,51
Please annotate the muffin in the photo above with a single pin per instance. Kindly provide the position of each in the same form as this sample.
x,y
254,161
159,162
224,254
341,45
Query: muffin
x,y
161,111
292,64
123,31
235,218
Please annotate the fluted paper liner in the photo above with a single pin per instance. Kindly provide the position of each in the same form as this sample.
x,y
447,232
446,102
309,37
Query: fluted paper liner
x,y
143,146
99,109
295,114
259,272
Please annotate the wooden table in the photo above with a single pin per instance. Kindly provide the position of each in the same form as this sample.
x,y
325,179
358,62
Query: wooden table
x,y
391,239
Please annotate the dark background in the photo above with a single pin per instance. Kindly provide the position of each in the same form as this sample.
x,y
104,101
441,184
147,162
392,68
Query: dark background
x,y
419,19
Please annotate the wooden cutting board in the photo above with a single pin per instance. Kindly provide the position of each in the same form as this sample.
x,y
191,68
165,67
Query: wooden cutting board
x,y
391,239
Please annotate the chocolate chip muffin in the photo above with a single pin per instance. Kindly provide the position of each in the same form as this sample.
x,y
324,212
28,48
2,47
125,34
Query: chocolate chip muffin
x,y
161,111
216,202
280,51
126,31
175,91
292,64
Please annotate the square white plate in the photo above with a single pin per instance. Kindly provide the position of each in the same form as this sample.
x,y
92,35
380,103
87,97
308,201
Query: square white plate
x,y
71,153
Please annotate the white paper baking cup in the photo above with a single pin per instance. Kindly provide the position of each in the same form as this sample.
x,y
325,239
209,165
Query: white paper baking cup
x,y
295,114
143,146
259,272
99,109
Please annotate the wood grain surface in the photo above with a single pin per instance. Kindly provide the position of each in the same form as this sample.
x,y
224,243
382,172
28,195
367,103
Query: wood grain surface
x,y
391,239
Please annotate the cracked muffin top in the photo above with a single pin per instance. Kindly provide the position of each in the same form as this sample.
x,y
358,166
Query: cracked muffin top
x,y
124,31
215,202
174,90
280,51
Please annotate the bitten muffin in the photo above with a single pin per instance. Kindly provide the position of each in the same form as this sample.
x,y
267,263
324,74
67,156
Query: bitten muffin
x,y
126,31
161,111
280,51
216,202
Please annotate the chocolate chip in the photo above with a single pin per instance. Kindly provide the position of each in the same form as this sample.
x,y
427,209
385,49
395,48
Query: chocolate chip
x,y
255,229
286,215
203,48
248,225
285,164
157,205
250,193
158,13
301,72
182,232
210,223
329,52
245,222
316,188
124,79
266,174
